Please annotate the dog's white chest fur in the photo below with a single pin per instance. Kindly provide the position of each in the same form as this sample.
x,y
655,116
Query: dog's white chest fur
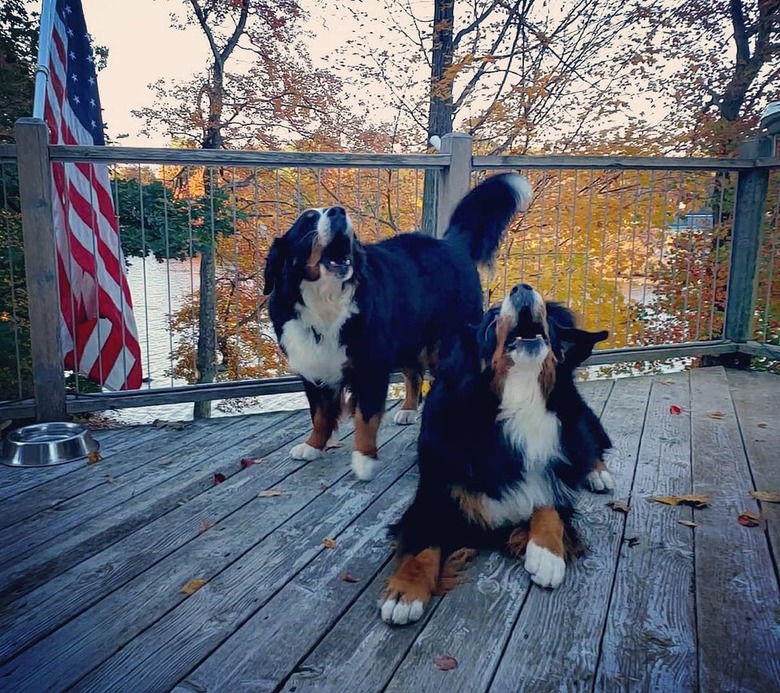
x,y
311,339
534,432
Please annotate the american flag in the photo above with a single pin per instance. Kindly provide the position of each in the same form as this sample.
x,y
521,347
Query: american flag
x,y
99,334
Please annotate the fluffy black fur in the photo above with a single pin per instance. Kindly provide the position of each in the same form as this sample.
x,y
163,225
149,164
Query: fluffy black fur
x,y
462,445
410,291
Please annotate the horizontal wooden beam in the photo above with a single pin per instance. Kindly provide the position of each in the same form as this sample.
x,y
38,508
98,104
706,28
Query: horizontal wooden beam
x,y
769,351
243,158
627,163
661,352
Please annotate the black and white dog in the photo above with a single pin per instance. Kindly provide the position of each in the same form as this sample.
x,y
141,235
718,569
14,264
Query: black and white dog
x,y
347,314
506,442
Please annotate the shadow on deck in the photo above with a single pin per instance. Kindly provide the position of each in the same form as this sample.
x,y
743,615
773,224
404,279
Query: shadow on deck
x,y
94,559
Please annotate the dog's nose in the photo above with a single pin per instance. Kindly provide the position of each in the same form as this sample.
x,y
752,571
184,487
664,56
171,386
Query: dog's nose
x,y
336,212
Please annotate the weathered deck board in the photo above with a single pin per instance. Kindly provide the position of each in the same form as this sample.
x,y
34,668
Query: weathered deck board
x,y
564,656
650,640
736,589
756,396
97,607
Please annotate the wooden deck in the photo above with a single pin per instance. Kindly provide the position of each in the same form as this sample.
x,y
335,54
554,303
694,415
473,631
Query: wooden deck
x,y
93,560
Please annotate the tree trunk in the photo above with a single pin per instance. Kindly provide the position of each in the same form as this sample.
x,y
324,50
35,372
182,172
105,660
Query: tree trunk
x,y
207,327
440,110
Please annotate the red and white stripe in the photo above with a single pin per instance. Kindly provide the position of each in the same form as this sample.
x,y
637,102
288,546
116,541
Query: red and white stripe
x,y
99,334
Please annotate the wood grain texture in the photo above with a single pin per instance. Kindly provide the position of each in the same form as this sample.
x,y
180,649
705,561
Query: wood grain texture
x,y
48,560
555,640
174,641
736,588
650,642
268,646
756,397
40,264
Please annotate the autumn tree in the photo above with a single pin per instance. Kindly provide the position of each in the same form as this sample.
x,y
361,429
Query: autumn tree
x,y
228,105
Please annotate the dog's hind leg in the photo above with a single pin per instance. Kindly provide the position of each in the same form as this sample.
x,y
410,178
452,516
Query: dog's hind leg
x,y
544,554
325,407
407,414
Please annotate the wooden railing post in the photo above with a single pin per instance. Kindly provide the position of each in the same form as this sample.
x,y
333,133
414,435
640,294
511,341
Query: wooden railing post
x,y
454,181
40,261
752,188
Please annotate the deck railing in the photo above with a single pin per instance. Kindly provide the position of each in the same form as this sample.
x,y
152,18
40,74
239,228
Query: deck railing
x,y
675,256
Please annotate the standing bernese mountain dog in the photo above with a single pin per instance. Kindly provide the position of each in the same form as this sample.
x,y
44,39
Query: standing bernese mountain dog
x,y
347,314
506,442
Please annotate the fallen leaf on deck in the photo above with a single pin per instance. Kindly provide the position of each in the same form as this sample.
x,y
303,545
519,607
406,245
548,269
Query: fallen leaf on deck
x,y
619,506
695,501
762,425
666,381
674,409
192,586
324,486
687,523
716,414
446,662
349,577
204,526
94,457
328,543
110,479
173,425
247,462
219,477
333,444
270,493
766,496
749,519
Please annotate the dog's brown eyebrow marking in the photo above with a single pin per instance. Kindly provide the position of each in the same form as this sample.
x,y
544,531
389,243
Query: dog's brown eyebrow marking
x,y
503,328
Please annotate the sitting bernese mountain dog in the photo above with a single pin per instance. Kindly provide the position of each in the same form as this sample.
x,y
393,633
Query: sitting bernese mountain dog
x,y
347,314
506,442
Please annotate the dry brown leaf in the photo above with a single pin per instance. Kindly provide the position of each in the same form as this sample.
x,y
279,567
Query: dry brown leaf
x,y
192,586
619,506
762,425
324,486
445,662
674,409
716,414
333,444
750,519
692,499
632,542
766,496
687,523
110,480
94,457
329,543
204,526
270,493
348,577
174,425
665,381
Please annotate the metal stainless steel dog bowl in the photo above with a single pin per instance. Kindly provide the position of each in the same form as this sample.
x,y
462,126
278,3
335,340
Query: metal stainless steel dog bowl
x,y
42,445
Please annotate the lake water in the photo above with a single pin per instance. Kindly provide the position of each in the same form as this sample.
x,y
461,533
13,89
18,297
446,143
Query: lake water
x,y
158,289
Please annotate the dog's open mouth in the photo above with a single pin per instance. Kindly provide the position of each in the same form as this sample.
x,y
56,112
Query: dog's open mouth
x,y
529,334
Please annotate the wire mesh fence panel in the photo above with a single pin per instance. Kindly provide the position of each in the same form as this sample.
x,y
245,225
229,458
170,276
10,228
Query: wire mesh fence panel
x,y
767,311
641,253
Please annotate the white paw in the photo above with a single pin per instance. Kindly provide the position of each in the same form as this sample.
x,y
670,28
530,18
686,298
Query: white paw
x,y
600,480
363,466
404,417
400,612
304,451
546,569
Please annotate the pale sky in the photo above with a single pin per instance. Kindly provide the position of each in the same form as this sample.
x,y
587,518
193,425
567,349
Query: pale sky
x,y
143,48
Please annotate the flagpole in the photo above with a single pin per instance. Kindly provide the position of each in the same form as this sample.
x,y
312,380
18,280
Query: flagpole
x,y
48,8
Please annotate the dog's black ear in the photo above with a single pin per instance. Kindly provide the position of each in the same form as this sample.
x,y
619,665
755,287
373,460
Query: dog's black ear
x,y
274,265
575,345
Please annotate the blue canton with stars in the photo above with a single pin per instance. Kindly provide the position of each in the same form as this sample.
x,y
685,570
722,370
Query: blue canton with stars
x,y
81,89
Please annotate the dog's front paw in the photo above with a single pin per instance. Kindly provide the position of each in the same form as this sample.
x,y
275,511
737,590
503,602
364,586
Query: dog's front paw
x,y
363,466
600,480
304,451
545,568
404,417
397,609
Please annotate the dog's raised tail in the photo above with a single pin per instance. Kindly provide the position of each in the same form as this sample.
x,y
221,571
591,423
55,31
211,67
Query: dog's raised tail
x,y
480,218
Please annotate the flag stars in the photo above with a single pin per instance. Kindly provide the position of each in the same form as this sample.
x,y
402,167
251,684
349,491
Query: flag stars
x,y
70,31
76,99
68,10
93,123
92,103
72,55
91,80
74,77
